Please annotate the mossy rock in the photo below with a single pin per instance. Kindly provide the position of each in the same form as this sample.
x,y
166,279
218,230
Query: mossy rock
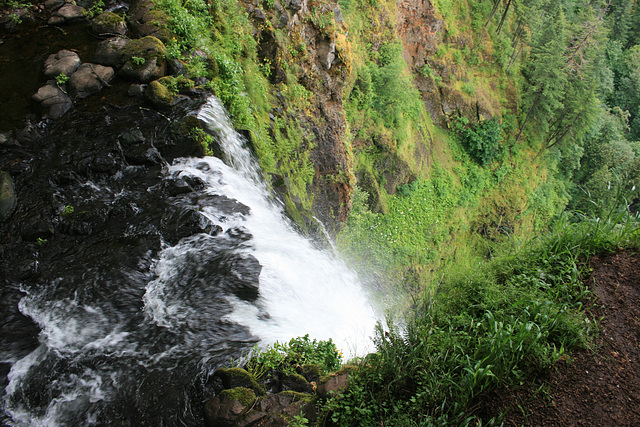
x,y
244,395
238,377
311,371
8,200
159,95
296,382
109,23
299,396
144,60
148,20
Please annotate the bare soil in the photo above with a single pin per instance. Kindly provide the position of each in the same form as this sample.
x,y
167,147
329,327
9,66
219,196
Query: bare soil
x,y
596,387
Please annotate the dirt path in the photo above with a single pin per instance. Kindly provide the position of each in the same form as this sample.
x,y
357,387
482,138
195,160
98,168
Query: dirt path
x,y
599,388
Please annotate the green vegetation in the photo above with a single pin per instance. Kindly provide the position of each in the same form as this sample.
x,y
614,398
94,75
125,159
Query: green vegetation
x,y
295,354
62,79
487,324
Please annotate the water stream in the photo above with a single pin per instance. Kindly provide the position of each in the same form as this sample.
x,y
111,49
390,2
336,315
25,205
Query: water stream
x,y
138,349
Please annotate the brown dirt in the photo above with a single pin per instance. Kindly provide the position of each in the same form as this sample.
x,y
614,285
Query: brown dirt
x,y
599,387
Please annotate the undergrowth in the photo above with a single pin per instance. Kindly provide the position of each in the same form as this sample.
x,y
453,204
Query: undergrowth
x,y
497,323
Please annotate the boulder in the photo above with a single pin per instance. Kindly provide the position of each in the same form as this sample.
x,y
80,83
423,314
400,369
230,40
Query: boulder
x,y
136,89
53,100
237,377
334,385
67,13
64,62
297,383
159,95
109,52
108,24
8,200
226,408
144,59
136,149
147,21
89,79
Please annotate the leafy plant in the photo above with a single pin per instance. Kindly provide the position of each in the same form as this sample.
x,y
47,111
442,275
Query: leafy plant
x,y
482,139
297,352
62,79
138,60
68,210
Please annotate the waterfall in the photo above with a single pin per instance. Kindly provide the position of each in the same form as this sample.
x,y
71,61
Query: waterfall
x,y
137,346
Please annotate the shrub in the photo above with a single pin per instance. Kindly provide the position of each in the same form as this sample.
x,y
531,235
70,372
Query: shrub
x,y
481,139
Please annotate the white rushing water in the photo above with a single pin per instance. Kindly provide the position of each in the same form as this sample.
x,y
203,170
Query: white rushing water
x,y
303,290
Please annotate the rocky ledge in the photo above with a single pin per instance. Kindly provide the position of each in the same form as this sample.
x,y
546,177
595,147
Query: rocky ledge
x,y
276,399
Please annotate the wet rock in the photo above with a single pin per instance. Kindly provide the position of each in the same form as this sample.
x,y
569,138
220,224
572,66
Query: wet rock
x,y
242,276
53,100
89,79
108,24
67,13
109,52
64,62
136,149
7,140
145,59
39,227
136,90
8,199
226,408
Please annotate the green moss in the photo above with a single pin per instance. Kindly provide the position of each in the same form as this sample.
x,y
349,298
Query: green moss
x,y
243,395
108,18
148,48
300,397
159,95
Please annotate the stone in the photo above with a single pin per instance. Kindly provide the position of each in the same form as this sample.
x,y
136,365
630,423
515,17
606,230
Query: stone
x,y
64,62
89,79
148,21
274,403
158,95
136,89
334,385
108,23
53,4
136,149
226,408
8,199
258,15
53,100
109,52
237,377
67,13
296,382
144,59
295,5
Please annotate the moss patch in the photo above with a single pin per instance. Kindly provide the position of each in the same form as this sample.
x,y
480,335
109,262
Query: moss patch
x,y
243,395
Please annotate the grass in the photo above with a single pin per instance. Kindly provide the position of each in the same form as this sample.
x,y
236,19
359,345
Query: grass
x,y
483,325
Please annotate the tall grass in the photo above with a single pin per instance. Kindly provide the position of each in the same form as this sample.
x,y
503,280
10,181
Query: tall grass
x,y
500,323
